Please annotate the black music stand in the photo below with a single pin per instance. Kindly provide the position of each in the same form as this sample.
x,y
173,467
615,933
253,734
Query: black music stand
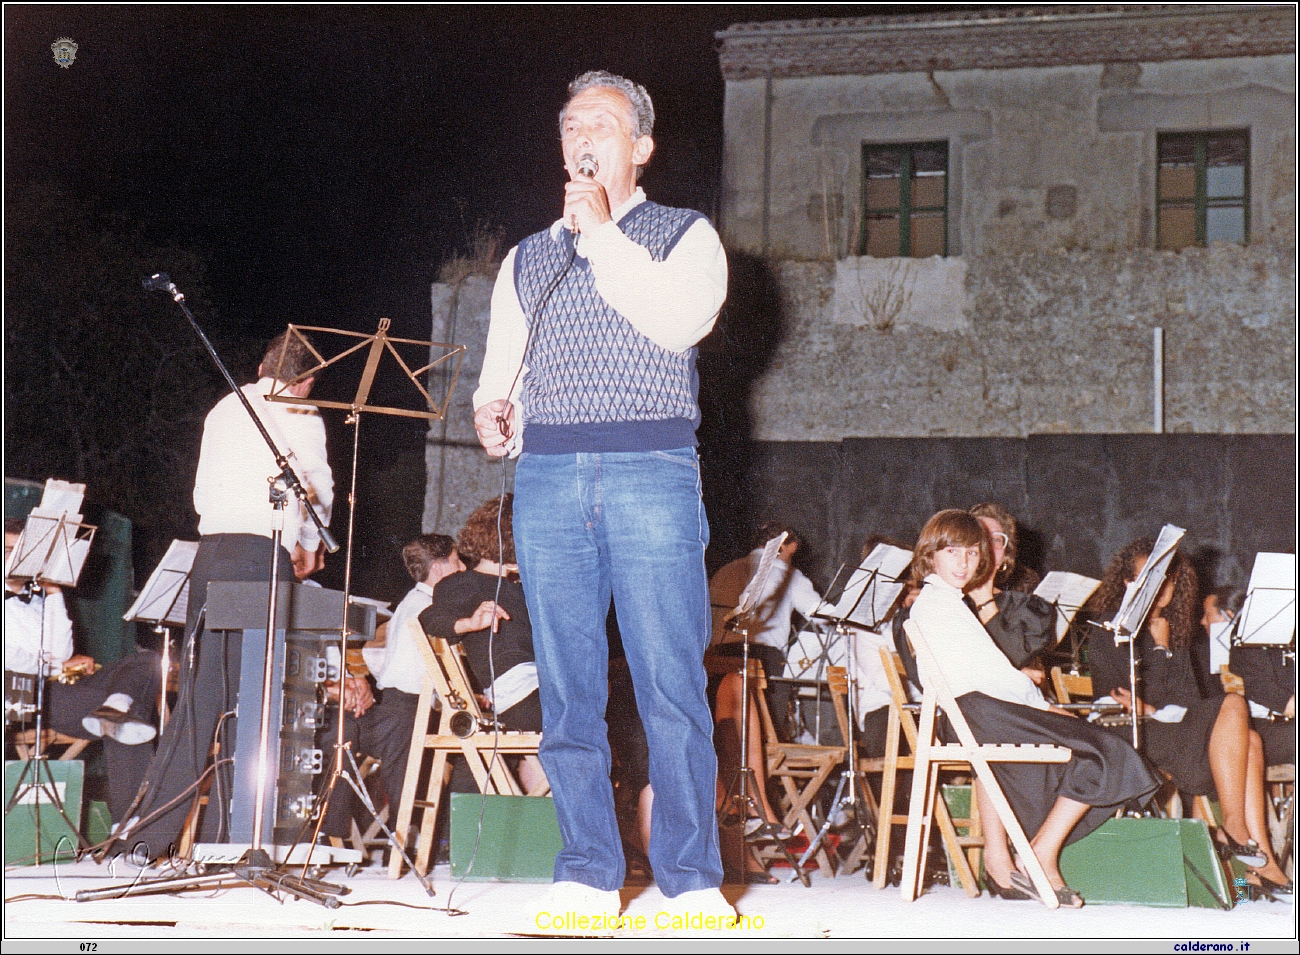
x,y
164,603
741,803
1139,597
52,549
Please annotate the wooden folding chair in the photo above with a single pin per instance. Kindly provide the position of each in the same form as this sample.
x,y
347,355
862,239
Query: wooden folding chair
x,y
929,756
25,743
1070,686
802,768
902,725
483,750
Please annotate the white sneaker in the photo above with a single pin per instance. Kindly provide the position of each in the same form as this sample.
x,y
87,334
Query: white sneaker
x,y
702,912
117,725
571,908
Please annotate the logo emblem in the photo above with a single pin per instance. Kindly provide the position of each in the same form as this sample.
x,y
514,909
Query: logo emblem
x,y
65,51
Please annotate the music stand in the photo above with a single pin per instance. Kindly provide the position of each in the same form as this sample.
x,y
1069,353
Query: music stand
x,y
1268,616
1066,593
164,603
741,802
865,602
1139,596
51,549
375,347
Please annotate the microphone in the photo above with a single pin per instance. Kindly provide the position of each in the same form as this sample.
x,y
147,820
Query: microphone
x,y
587,166
158,282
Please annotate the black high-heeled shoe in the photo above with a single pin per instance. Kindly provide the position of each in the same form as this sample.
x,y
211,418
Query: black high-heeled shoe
x,y
1249,854
1284,891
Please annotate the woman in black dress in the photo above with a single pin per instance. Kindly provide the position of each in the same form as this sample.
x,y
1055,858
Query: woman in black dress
x,y
484,609
1204,743
1022,624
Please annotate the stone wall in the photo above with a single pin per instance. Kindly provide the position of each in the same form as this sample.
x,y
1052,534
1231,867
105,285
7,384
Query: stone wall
x,y
459,476
1036,342
1039,157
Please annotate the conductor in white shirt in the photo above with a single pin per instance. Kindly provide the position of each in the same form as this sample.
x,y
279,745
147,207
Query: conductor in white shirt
x,y
235,515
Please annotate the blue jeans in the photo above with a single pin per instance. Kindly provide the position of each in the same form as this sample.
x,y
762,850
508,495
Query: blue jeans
x,y
629,525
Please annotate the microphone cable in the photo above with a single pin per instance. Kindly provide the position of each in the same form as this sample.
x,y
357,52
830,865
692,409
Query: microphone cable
x,y
538,313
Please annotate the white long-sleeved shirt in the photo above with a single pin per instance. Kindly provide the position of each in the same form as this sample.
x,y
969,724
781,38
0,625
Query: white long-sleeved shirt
x,y
674,303
971,662
230,488
23,632
787,590
402,666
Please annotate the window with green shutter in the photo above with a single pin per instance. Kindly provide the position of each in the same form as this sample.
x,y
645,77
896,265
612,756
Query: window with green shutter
x,y
1202,188
905,200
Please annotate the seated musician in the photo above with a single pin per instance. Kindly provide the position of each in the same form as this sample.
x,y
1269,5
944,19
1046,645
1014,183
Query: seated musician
x,y
379,719
1269,675
484,609
1054,802
1204,743
115,703
787,590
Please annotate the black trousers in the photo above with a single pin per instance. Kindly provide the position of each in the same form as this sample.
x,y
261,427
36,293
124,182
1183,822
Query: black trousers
x,y
184,748
136,675
383,731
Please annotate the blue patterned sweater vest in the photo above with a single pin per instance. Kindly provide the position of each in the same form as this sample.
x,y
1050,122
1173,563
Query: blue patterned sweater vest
x,y
594,383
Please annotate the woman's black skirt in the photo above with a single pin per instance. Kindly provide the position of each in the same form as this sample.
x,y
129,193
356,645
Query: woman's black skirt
x,y
1104,772
1182,749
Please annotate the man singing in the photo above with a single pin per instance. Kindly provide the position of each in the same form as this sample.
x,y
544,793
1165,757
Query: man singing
x,y
590,372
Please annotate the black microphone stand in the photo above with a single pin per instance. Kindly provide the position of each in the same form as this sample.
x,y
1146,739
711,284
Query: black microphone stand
x,y
256,867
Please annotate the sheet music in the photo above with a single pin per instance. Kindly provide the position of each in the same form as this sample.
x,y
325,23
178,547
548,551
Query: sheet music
x,y
758,583
61,497
1220,645
1141,593
51,548
889,562
1067,592
1268,616
166,595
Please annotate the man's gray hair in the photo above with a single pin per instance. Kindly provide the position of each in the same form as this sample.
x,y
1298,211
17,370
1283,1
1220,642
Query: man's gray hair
x,y
643,111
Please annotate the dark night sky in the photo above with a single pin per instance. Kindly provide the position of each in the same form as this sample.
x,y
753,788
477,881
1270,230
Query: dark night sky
x,y
326,159
323,161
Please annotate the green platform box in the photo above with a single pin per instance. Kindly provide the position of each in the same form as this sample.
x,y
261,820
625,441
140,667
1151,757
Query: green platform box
x,y
1166,863
98,823
55,835
958,798
520,838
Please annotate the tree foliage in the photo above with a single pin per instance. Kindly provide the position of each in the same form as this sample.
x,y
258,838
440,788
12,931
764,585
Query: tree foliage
x,y
104,383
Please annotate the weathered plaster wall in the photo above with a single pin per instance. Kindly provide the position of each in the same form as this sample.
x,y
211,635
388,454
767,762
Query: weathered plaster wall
x,y
792,151
459,475
1031,343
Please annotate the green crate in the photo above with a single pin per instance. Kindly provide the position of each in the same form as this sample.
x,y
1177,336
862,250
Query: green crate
x,y
98,823
519,843
1165,863
55,836
958,800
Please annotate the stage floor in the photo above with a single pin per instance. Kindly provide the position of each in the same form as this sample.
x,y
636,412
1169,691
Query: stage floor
x,y
35,908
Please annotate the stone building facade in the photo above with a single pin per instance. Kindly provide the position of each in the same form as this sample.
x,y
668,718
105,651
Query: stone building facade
x,y
1057,132
1077,177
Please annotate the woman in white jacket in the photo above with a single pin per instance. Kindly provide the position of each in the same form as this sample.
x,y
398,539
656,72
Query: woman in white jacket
x,y
1054,802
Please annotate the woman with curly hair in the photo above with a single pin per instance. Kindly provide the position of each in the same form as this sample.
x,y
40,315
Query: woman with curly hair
x,y
484,609
1204,743
1055,803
